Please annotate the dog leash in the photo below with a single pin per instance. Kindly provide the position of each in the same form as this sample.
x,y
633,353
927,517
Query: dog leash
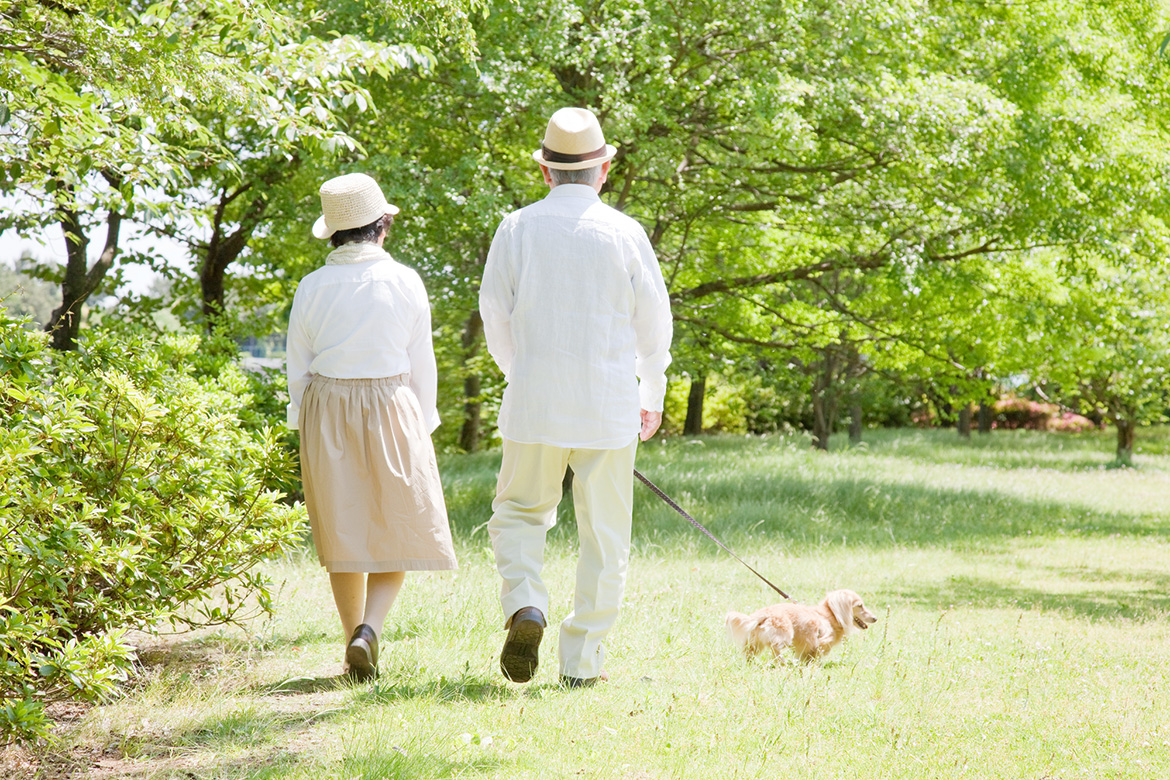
x,y
671,503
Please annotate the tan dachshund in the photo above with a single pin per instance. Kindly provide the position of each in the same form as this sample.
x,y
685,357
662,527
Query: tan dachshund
x,y
809,632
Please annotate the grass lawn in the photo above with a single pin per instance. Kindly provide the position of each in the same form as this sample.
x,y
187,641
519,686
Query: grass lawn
x,y
1021,587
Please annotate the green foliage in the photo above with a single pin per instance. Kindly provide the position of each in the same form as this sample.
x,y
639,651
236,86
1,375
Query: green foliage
x,y
846,189
135,494
855,191
1103,347
116,109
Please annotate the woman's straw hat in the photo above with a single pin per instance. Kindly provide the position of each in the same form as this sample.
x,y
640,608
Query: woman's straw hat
x,y
573,141
350,201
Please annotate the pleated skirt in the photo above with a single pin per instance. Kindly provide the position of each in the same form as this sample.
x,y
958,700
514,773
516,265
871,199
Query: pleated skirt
x,y
371,480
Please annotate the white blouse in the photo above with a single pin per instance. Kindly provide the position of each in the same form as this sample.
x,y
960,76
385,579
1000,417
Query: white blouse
x,y
575,312
362,316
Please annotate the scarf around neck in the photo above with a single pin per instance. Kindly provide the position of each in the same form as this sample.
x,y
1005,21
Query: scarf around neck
x,y
348,254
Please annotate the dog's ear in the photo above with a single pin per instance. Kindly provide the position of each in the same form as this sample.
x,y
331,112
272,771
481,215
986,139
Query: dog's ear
x,y
840,603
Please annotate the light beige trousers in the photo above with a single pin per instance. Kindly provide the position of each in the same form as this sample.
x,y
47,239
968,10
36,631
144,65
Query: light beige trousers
x,y
527,494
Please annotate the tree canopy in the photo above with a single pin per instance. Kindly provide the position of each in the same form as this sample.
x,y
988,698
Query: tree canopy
x,y
837,192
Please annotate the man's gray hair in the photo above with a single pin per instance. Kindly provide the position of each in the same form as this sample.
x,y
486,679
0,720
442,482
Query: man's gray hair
x,y
580,176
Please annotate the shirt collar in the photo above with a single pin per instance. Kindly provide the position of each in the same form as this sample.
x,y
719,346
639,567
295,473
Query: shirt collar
x,y
573,191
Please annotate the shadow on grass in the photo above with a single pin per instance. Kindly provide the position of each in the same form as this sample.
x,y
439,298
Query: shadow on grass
x,y
745,490
251,727
1151,603
874,514
265,741
299,685
254,737
467,687
210,648
403,763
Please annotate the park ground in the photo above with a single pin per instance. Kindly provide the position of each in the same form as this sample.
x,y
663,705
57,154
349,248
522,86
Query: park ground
x,y
1020,580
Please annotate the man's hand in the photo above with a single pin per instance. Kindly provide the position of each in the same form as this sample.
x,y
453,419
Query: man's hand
x,y
650,423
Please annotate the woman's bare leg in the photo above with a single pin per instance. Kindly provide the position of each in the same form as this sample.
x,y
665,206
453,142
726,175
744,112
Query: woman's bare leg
x,y
381,591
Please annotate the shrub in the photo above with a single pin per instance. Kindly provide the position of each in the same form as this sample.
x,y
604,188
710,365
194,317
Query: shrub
x,y
1012,412
1070,422
739,403
133,496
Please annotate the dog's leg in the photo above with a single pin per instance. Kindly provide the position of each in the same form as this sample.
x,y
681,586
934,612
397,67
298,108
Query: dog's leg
x,y
777,636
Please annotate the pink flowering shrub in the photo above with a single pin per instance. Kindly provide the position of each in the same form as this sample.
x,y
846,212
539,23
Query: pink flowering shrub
x,y
1070,422
1012,412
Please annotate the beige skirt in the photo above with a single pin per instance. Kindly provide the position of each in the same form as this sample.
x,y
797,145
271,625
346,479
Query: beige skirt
x,y
371,481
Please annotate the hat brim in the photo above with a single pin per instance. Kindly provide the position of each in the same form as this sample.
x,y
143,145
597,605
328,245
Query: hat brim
x,y
322,230
610,151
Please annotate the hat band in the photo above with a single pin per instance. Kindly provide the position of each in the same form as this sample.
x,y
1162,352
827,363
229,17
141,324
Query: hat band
x,y
561,157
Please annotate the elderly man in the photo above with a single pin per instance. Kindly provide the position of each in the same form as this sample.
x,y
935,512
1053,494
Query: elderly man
x,y
575,313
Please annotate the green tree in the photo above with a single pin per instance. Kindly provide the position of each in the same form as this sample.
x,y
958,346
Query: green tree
x,y
801,166
1106,351
112,109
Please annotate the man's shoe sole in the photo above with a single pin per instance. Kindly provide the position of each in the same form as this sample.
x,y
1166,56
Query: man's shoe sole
x,y
521,654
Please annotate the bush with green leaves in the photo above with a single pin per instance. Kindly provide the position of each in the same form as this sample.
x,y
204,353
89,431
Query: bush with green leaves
x,y
134,493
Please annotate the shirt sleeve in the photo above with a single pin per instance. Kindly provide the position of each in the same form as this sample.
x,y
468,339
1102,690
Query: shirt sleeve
x,y
424,373
298,357
653,326
497,299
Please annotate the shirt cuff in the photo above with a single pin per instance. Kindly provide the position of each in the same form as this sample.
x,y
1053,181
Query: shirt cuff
x,y
652,393
292,415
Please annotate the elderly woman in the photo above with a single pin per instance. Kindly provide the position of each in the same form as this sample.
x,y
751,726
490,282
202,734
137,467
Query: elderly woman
x,y
362,387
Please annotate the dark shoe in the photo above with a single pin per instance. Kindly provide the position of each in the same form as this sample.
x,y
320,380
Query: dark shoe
x,y
362,653
583,682
521,653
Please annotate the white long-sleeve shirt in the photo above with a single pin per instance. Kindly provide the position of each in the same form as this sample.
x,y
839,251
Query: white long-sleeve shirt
x,y
363,315
575,312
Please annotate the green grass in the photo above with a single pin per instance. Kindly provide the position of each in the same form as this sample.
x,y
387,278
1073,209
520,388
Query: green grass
x,y
1020,583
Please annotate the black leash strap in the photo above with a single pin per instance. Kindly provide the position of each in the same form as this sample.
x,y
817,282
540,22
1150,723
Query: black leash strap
x,y
670,502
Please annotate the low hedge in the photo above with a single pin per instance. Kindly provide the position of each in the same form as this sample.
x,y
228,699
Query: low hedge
x,y
135,491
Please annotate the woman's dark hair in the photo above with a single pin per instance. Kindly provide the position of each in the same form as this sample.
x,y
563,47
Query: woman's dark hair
x,y
367,234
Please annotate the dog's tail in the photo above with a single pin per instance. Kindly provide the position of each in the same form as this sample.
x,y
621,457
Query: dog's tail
x,y
741,628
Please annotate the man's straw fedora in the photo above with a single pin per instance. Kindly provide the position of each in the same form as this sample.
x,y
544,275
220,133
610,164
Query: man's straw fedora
x,y
350,201
573,141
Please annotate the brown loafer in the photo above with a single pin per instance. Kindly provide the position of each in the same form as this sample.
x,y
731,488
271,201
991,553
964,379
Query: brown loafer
x,y
521,653
362,653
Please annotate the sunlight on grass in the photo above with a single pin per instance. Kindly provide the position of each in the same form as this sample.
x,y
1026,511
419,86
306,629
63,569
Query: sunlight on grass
x,y
1020,586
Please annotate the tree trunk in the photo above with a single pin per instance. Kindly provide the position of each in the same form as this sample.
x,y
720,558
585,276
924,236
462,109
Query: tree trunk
x,y
1126,434
964,421
824,402
986,417
855,422
693,425
224,248
80,280
856,412
821,425
469,434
